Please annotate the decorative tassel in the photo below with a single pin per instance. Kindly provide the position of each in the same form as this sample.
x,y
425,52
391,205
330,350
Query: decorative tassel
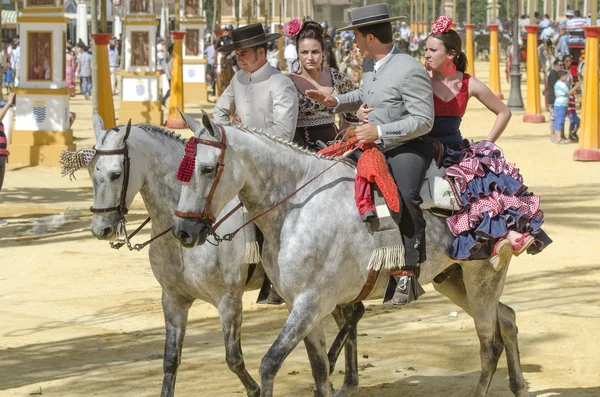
x,y
252,253
188,162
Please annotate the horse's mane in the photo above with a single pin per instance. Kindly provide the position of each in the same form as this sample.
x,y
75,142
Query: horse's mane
x,y
291,145
162,131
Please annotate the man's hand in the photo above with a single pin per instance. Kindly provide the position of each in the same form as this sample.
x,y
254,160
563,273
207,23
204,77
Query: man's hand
x,y
322,97
363,113
236,120
366,133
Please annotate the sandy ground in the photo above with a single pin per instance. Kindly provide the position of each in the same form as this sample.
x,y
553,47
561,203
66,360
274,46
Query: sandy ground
x,y
79,319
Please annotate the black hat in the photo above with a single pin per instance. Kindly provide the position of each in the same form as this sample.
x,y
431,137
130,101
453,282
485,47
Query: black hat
x,y
369,15
248,36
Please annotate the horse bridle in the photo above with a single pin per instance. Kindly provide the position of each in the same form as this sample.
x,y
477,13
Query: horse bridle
x,y
121,208
205,216
209,220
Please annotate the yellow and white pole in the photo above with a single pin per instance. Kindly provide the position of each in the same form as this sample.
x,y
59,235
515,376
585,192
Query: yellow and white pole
x,y
533,108
176,95
494,62
469,42
589,136
106,107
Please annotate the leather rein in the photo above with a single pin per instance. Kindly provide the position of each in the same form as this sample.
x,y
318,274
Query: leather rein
x,y
209,220
121,208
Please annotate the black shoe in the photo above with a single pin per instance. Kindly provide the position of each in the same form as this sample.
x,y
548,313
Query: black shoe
x,y
407,290
274,298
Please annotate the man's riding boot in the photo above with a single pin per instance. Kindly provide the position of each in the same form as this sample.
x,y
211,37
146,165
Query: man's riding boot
x,y
407,290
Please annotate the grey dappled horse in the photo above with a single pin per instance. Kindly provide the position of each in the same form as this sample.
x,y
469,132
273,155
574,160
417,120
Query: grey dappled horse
x,y
217,275
316,249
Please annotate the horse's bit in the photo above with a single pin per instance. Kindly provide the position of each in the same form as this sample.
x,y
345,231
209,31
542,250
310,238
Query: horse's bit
x,y
121,208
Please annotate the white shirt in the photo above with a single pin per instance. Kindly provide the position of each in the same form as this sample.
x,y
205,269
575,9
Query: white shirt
x,y
290,52
544,23
265,99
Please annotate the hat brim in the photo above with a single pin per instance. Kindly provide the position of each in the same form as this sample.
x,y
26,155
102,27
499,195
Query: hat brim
x,y
359,25
268,38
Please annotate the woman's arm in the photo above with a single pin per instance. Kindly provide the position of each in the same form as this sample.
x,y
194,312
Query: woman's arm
x,y
9,102
491,101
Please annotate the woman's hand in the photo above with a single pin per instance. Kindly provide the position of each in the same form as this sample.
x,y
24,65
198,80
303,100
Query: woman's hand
x,y
363,113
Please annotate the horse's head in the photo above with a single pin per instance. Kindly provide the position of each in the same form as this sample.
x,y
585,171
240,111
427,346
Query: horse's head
x,y
115,185
214,181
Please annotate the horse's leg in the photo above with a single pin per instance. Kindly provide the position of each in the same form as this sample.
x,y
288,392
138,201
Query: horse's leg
x,y
305,315
454,289
319,364
175,311
509,330
230,311
340,339
352,315
483,289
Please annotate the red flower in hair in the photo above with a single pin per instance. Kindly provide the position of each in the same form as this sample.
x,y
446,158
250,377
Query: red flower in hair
x,y
291,28
442,24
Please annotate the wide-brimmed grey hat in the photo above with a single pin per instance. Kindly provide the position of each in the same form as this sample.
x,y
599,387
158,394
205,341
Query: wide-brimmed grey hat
x,y
248,36
369,15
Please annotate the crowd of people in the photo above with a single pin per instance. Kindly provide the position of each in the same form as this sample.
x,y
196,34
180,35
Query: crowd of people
x,y
405,111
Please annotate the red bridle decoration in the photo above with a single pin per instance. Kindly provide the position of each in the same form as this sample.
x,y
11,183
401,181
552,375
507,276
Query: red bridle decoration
x,y
188,162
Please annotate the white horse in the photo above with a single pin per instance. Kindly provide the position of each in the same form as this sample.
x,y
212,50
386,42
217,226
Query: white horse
x,y
217,275
317,250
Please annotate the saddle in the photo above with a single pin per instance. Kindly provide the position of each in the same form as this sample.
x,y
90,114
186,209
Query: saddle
x,y
372,173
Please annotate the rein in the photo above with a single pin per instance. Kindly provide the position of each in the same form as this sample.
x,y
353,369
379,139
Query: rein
x,y
209,220
121,208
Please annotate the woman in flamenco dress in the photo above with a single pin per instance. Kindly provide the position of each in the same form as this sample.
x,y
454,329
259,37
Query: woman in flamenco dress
x,y
499,216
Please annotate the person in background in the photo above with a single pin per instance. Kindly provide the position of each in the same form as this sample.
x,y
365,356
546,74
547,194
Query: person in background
x,y
70,70
544,23
167,67
15,61
160,53
291,55
84,67
574,120
209,55
273,55
113,63
561,103
8,77
549,92
4,143
561,42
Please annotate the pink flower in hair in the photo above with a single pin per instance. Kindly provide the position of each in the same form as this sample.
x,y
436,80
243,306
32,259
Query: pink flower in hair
x,y
442,24
291,28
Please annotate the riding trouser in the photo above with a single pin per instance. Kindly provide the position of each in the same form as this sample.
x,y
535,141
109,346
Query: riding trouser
x,y
408,164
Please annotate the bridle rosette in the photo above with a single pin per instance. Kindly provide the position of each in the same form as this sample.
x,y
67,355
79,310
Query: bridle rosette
x,y
292,28
442,24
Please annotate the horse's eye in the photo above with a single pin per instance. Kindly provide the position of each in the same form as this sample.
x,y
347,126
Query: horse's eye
x,y
207,170
115,176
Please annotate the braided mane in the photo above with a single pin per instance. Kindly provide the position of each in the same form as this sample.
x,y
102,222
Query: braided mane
x,y
162,131
292,145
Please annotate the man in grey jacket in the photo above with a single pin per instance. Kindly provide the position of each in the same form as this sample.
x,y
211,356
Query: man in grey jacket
x,y
259,95
398,90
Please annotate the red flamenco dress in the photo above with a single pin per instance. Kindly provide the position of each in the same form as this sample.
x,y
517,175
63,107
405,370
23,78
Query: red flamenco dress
x,y
491,190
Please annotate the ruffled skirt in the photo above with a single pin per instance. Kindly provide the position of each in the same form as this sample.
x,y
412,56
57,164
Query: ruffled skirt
x,y
494,199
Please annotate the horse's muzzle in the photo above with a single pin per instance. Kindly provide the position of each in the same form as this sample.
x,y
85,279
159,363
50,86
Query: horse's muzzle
x,y
103,230
189,231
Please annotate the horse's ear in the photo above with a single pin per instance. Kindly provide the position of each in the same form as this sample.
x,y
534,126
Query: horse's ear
x,y
127,130
192,123
98,124
208,124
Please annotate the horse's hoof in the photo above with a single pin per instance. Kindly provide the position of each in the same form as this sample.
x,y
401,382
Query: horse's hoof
x,y
346,391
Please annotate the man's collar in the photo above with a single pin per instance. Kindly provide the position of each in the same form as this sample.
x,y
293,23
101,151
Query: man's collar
x,y
382,61
259,72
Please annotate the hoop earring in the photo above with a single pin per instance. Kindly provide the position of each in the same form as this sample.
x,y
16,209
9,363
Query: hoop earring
x,y
296,66
449,68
